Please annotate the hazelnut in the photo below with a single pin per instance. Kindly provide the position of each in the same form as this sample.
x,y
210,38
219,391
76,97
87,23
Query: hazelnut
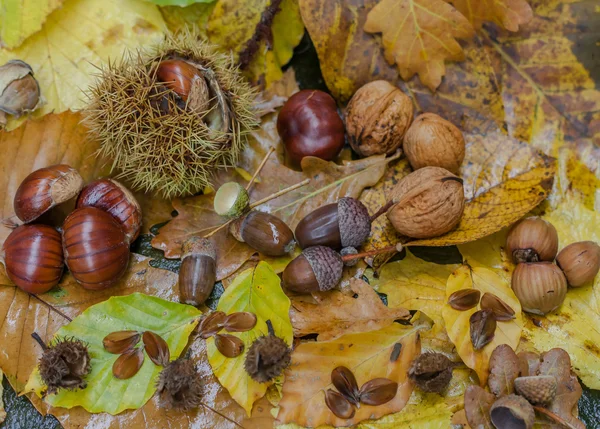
x,y
427,203
540,286
377,118
580,262
532,240
511,412
317,269
265,233
433,141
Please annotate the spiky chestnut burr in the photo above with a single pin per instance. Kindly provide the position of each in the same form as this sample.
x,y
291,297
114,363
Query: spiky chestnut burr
x,y
267,357
159,140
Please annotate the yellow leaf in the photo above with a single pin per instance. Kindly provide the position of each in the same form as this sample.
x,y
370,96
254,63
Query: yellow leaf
x,y
457,322
19,19
506,13
258,291
419,36
76,39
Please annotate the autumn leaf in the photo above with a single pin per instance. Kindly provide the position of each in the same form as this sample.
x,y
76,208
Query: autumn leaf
x,y
138,312
19,20
334,314
457,322
2,412
258,291
506,13
478,402
180,3
65,53
419,36
367,355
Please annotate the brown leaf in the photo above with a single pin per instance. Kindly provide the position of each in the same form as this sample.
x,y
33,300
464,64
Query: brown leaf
x,y
505,13
529,363
229,345
464,299
240,321
120,341
502,311
157,348
504,369
477,407
333,314
128,364
482,328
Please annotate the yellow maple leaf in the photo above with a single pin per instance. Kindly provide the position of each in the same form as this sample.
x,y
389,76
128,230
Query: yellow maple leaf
x,y
419,36
21,19
506,13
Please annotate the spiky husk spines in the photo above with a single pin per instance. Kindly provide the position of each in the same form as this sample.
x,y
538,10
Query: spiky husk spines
x,y
156,141
179,385
65,364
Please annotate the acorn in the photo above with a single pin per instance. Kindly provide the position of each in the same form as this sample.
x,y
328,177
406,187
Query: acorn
x,y
532,240
538,389
179,385
431,372
264,232
115,199
267,357
512,412
44,189
317,269
33,257
342,224
231,200
580,262
540,286
19,90
198,271
96,248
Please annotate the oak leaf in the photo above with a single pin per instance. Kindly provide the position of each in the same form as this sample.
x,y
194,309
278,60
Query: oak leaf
x,y
506,13
419,36
19,20
333,314
478,402
504,368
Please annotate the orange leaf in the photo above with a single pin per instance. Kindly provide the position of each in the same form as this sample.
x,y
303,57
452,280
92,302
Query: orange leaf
x,y
506,13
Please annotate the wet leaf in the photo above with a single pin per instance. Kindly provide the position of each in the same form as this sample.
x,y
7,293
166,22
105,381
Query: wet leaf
x,y
211,324
2,412
333,314
18,21
128,364
344,381
120,341
464,299
477,407
378,391
505,13
228,345
339,405
504,369
156,348
482,328
239,321
501,310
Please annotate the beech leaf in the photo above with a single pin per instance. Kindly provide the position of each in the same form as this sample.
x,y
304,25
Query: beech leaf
x,y
478,402
506,13
172,321
19,20
333,313
504,368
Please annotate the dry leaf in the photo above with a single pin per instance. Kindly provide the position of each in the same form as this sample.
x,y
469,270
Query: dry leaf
x,y
504,368
2,412
506,13
333,314
478,402
20,20
419,36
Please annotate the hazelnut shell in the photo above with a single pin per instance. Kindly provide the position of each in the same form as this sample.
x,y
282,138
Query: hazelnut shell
x,y
533,239
540,286
580,262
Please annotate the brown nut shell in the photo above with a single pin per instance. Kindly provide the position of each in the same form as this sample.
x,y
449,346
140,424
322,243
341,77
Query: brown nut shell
x,y
502,311
128,364
532,240
428,203
339,405
377,118
230,346
580,262
121,341
240,321
464,299
434,141
540,286
378,391
211,324
482,328
344,381
318,268
156,348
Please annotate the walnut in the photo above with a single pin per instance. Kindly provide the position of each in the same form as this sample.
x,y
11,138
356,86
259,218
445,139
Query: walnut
x,y
433,141
377,118
427,203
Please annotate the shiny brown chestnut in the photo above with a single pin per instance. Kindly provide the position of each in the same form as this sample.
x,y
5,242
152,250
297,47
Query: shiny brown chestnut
x,y
264,232
95,247
317,269
186,81
44,189
342,224
198,271
34,257
310,125
115,199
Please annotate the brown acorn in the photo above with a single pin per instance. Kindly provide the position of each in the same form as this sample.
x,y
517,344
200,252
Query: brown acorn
x,y
128,364
230,346
317,269
121,341
482,326
511,412
179,385
198,271
464,299
267,357
431,372
156,348
532,240
264,232
342,224
580,262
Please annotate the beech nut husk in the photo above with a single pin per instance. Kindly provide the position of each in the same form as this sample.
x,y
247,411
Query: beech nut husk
x,y
431,372
44,189
540,286
198,271
264,232
580,262
532,240
377,118
512,412
427,203
342,224
434,141
317,269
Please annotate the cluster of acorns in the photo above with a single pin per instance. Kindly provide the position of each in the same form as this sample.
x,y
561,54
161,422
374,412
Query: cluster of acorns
x,y
541,285
95,237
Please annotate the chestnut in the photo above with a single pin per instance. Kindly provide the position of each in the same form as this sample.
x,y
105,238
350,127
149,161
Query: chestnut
x,y
186,81
44,189
96,248
115,199
34,257
309,125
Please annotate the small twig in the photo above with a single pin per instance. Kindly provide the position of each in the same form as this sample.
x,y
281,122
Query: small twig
x,y
382,210
222,415
220,227
558,419
278,194
39,340
270,327
260,167
396,248
51,307
262,31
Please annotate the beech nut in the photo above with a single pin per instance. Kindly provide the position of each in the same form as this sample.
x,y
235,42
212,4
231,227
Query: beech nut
x,y
317,269
309,125
427,203
264,232
115,199
540,286
377,118
532,240
580,262
434,141
342,224
198,271
34,257
95,247
44,189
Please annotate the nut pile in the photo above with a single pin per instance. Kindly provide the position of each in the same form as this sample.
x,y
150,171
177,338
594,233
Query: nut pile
x,y
131,357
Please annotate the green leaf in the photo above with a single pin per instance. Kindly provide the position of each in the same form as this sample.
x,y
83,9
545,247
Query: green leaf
x,y
172,321
257,290
181,3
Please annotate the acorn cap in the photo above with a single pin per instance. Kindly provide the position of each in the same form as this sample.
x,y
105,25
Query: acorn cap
x,y
539,389
512,412
198,246
354,222
326,264
231,200
350,251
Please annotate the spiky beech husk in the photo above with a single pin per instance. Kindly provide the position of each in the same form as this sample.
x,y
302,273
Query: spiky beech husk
x,y
179,385
158,141
65,364
267,357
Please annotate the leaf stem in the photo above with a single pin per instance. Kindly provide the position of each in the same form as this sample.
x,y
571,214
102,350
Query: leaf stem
x,y
39,340
382,210
279,193
558,419
51,307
